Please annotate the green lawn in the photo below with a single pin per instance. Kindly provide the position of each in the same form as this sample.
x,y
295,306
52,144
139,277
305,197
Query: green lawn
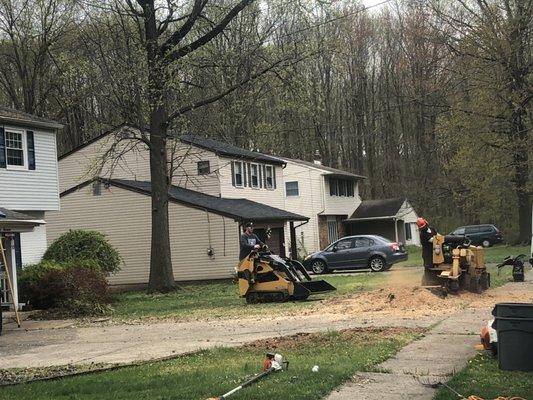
x,y
212,300
483,378
211,373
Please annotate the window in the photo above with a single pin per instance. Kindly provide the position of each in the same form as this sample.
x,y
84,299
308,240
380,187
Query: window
x,y
97,188
203,167
15,147
459,231
254,175
269,176
408,231
363,242
237,173
344,244
341,187
291,189
472,229
333,232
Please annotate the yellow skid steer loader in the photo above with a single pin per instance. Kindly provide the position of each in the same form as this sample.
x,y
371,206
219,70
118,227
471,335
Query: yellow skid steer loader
x,y
265,277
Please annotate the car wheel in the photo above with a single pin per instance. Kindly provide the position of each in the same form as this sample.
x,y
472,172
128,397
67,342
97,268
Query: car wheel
x,y
377,264
486,243
319,267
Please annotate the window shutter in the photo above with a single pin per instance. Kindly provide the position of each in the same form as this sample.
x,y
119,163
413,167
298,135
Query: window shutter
x,y
264,176
232,174
2,148
31,149
249,175
244,180
274,177
260,175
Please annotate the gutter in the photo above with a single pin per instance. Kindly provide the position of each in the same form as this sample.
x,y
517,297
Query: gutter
x,y
369,218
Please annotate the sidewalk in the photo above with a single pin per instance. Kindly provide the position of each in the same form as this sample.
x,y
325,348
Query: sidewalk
x,y
445,350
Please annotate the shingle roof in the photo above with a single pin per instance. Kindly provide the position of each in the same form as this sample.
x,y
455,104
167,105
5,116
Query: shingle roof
x,y
239,209
9,115
378,208
226,149
6,214
330,170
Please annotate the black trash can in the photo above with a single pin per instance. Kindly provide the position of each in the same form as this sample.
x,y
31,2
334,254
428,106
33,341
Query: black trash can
x,y
513,310
515,343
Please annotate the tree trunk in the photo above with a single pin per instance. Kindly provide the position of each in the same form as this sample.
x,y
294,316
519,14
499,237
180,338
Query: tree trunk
x,y
161,274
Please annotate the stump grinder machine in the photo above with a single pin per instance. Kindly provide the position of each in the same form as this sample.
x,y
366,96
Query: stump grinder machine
x,y
265,277
457,265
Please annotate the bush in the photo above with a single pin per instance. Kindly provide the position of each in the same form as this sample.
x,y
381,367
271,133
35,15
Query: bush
x,y
78,245
76,288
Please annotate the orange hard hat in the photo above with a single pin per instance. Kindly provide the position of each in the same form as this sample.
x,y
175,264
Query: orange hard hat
x,y
421,222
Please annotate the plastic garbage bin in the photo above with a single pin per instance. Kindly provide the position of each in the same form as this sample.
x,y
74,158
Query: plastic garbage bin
x,y
515,343
513,310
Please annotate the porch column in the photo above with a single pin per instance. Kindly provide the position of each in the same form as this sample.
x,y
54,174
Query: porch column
x,y
395,229
13,274
294,249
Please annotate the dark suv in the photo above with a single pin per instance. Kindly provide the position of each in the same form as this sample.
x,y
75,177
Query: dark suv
x,y
484,235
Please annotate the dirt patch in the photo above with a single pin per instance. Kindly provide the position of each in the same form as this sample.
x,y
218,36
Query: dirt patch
x,y
357,334
417,302
23,375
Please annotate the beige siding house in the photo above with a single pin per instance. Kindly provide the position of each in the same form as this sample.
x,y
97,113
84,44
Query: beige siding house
x,y
216,188
327,196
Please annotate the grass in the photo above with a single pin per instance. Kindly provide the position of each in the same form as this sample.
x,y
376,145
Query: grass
x,y
220,299
212,300
214,372
483,378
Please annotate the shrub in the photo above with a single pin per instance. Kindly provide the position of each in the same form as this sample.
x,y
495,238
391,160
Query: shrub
x,y
75,288
78,245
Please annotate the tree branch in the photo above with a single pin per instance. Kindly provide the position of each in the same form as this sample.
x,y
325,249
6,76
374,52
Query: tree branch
x,y
178,36
183,51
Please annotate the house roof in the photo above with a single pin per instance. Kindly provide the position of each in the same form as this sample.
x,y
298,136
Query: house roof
x,y
226,149
238,209
377,209
11,116
15,221
216,146
328,170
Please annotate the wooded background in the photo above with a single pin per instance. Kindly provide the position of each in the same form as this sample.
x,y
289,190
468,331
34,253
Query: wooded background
x,y
431,100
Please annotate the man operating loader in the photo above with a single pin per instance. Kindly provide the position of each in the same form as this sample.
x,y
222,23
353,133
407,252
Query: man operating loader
x,y
426,240
249,241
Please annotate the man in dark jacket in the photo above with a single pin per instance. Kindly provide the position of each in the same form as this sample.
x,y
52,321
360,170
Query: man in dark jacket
x,y
426,240
249,241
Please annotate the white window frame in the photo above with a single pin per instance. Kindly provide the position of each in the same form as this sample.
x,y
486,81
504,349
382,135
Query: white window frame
x,y
22,132
240,163
297,188
271,169
252,165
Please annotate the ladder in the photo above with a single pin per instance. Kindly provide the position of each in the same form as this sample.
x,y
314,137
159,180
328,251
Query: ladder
x,y
6,278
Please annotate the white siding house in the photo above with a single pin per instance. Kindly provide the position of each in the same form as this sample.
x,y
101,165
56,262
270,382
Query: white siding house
x,y
327,196
28,179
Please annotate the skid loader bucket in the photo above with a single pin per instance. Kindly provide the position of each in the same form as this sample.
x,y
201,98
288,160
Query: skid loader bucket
x,y
303,289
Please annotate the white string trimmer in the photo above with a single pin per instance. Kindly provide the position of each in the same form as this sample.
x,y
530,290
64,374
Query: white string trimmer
x,y
272,363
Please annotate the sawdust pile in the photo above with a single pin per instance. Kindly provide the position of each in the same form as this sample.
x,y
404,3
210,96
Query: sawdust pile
x,y
416,301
